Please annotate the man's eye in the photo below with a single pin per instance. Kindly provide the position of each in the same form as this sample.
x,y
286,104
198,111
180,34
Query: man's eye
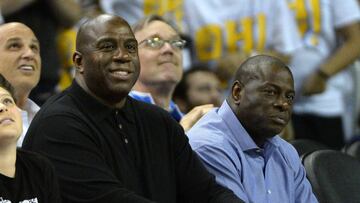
x,y
270,92
290,97
131,46
108,46
35,48
8,101
14,46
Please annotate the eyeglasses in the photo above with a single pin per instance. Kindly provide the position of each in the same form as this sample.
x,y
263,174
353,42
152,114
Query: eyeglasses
x,y
157,43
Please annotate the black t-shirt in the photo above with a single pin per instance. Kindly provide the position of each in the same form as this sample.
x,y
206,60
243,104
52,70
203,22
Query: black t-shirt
x,y
34,181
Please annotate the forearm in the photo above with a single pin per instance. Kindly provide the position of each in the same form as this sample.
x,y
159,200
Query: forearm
x,y
345,54
68,12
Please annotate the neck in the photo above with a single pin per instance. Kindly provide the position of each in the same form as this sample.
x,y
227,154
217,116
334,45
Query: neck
x,y
161,93
8,160
259,142
83,85
21,97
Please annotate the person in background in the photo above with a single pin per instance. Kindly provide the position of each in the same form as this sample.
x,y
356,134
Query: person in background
x,y
20,63
160,54
198,86
238,142
330,37
108,147
24,176
45,18
225,33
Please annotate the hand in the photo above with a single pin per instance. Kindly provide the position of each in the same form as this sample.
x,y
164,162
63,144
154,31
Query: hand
x,y
314,84
194,115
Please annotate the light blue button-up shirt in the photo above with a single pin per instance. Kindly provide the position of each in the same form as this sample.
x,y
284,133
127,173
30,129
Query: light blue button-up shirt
x,y
271,174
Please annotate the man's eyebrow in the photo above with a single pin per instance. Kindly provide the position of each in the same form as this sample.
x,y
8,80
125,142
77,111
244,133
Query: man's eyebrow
x,y
14,39
17,39
35,41
105,39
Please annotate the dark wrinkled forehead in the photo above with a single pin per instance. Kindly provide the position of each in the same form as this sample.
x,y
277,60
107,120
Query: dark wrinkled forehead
x,y
101,25
261,65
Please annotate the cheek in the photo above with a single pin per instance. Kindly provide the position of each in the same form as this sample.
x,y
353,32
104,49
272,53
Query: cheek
x,y
17,112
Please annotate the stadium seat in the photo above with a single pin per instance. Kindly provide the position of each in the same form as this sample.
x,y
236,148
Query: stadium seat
x,y
334,176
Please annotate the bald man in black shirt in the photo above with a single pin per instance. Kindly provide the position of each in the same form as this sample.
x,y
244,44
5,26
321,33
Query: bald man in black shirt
x,y
107,147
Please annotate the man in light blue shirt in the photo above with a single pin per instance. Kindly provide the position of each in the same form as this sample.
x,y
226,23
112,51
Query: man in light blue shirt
x,y
239,143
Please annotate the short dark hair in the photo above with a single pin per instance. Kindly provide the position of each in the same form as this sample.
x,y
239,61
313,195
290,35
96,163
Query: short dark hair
x,y
7,86
183,86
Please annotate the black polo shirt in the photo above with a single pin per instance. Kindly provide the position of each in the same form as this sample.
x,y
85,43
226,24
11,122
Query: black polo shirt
x,y
134,154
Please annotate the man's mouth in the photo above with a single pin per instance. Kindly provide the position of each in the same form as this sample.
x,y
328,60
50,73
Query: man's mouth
x,y
27,68
6,121
121,74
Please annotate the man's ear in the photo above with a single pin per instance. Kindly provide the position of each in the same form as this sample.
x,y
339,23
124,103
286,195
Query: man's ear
x,y
237,91
77,60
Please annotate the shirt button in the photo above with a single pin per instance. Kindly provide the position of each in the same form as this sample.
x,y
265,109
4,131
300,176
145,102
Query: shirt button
x,y
269,192
120,126
258,150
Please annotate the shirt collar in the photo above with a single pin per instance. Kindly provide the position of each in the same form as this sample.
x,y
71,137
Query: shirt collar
x,y
238,132
96,110
146,97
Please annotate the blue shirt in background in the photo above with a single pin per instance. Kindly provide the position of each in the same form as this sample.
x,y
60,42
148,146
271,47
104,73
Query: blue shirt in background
x,y
271,174
147,98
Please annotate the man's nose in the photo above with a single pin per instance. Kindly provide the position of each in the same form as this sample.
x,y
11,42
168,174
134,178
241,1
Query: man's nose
x,y
283,103
167,48
29,53
122,55
3,108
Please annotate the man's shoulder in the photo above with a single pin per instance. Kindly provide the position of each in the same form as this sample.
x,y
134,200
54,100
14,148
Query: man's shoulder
x,y
61,102
33,161
288,152
209,131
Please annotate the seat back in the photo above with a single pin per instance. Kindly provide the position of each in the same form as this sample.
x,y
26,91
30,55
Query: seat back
x,y
304,146
353,149
334,176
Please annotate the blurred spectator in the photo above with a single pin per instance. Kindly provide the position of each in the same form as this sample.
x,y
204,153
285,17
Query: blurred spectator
x,y
45,18
199,86
20,63
134,10
160,54
226,32
331,37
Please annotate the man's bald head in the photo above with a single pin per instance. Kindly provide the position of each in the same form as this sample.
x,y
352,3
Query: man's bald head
x,y
254,66
262,96
89,29
20,58
11,26
106,59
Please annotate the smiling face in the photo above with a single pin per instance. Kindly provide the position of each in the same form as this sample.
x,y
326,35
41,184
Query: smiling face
x,y
265,101
163,65
107,58
10,118
19,56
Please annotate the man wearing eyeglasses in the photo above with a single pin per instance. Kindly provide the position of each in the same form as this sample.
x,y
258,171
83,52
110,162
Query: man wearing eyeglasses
x,y
161,59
